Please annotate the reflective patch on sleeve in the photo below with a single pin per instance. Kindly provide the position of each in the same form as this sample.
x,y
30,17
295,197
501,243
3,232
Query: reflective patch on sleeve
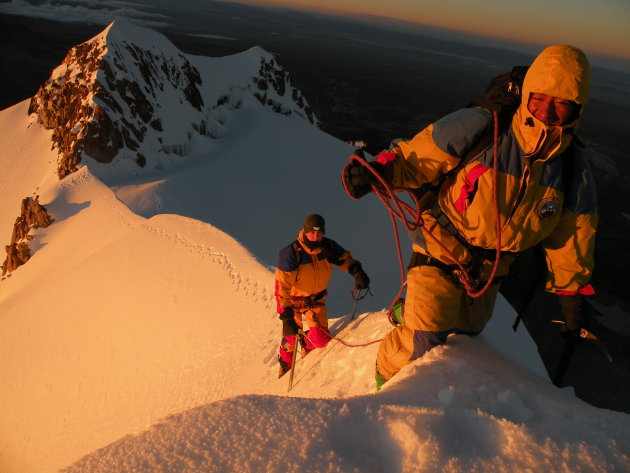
x,y
385,157
467,191
587,290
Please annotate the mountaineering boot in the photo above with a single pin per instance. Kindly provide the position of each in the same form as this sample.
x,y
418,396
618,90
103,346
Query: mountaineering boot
x,y
379,381
397,312
303,350
284,368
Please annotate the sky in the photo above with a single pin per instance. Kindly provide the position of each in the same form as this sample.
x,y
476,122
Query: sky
x,y
597,27
141,338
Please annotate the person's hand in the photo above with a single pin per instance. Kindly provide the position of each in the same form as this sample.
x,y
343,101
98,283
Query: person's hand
x,y
357,180
289,325
287,314
575,319
361,281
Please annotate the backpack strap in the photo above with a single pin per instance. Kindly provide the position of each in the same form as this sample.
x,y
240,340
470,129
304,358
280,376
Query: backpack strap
x,y
568,162
295,246
428,192
503,95
477,253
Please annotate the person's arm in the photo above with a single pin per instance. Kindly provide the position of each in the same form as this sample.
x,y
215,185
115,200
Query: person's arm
x,y
569,252
438,148
434,151
569,249
336,254
286,274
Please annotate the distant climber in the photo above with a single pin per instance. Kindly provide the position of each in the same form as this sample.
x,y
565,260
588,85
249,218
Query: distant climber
x,y
302,275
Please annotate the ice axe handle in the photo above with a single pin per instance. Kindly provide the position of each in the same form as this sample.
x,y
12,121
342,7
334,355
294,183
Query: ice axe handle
x,y
356,296
294,359
354,309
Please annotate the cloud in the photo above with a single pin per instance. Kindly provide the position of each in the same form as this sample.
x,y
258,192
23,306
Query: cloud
x,y
86,11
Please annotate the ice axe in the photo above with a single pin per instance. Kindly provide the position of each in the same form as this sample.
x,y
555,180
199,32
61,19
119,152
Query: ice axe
x,y
294,359
356,296
569,347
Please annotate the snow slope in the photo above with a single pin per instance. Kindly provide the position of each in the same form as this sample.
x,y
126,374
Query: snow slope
x,y
142,334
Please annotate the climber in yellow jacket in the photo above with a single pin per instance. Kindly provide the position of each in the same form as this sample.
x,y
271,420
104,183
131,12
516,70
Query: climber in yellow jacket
x,y
545,195
302,274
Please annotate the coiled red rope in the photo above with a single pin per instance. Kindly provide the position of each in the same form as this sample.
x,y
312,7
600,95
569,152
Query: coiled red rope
x,y
411,217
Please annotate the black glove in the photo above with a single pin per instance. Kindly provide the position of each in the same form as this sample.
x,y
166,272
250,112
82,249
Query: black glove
x,y
574,314
357,179
361,281
289,325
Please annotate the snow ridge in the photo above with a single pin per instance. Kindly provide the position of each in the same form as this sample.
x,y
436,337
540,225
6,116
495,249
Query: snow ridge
x,y
256,289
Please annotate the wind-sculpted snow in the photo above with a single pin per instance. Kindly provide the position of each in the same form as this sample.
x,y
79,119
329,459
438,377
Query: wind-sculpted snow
x,y
481,422
258,290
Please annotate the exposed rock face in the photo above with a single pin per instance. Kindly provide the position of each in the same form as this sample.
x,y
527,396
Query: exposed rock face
x,y
32,215
129,94
275,78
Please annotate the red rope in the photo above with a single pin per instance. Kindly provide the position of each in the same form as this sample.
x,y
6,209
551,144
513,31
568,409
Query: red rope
x,y
411,217
332,337
354,346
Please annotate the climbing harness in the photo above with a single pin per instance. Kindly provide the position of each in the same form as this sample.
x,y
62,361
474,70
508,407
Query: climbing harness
x,y
302,303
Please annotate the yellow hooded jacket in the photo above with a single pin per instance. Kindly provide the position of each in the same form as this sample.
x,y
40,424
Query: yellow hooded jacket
x,y
308,272
537,202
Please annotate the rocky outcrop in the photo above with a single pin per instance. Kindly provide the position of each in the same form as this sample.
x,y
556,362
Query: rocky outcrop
x,y
92,109
129,94
33,215
271,76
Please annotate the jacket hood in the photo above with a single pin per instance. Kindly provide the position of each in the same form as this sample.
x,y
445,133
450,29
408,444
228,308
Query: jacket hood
x,y
559,71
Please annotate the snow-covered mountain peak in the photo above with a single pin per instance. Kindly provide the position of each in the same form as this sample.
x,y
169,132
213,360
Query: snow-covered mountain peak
x,y
129,95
